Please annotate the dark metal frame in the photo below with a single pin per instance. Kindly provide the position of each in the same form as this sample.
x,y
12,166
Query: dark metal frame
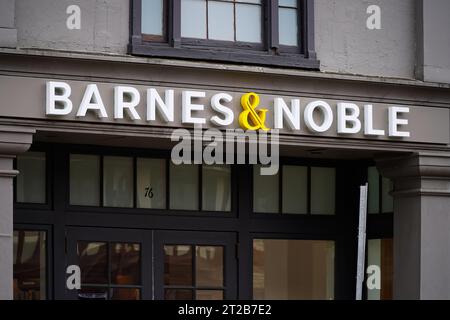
x,y
242,223
269,52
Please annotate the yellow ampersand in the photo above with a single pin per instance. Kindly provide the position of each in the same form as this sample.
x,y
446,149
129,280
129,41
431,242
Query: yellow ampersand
x,y
249,102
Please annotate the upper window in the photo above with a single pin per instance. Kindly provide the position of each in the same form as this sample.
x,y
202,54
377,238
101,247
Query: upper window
x,y
270,32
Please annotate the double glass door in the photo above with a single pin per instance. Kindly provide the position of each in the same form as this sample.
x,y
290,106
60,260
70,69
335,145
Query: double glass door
x,y
144,264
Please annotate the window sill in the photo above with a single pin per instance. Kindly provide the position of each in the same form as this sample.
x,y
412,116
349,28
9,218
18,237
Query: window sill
x,y
262,58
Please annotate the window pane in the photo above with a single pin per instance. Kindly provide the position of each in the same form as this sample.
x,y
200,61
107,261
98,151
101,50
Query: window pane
x,y
220,21
178,294
178,267
288,26
209,266
288,3
387,200
93,262
323,188
216,185
293,269
31,179
125,263
117,182
248,1
209,295
84,180
248,23
295,189
193,19
184,187
152,17
125,294
265,192
151,183
380,254
29,265
374,190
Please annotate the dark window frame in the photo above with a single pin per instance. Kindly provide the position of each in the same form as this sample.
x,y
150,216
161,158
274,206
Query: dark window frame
x,y
268,53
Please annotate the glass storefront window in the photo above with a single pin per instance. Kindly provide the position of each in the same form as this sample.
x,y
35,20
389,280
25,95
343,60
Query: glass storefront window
x,y
293,269
216,188
380,263
31,181
184,187
151,183
380,199
304,190
109,270
84,180
323,190
29,248
265,192
118,182
193,271
295,189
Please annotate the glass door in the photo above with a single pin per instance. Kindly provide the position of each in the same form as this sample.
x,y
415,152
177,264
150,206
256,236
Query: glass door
x,y
195,265
115,264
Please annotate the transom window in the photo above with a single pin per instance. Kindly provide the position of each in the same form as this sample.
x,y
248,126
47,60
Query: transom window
x,y
232,30
148,183
295,190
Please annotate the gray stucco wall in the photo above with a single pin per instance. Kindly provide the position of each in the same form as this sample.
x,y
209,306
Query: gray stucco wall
x,y
104,25
433,41
345,45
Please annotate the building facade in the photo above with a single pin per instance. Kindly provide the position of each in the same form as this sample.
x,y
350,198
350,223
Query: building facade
x,y
92,91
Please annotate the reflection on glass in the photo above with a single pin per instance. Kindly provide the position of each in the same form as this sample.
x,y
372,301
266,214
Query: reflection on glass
x,y
374,190
220,21
96,293
216,185
387,199
248,23
178,294
380,254
184,186
178,265
152,17
93,261
265,192
84,180
323,190
209,266
117,182
30,187
29,265
125,263
295,189
293,269
209,295
287,23
125,294
151,183
193,19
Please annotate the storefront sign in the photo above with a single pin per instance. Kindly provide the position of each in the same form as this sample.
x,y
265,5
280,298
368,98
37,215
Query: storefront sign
x,y
317,115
